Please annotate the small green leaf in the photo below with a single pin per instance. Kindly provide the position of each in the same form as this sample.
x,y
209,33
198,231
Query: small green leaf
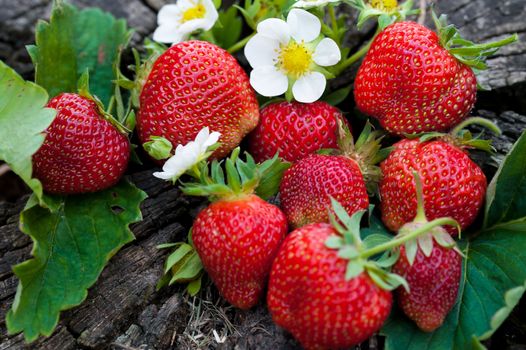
x,y
411,248
506,194
375,239
71,247
230,32
354,268
189,270
337,96
177,256
194,286
79,40
23,119
158,147
348,252
425,242
271,173
334,242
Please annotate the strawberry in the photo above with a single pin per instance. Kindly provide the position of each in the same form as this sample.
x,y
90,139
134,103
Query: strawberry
x,y
413,80
308,185
192,85
82,151
432,266
323,289
237,241
454,186
239,234
294,130
433,281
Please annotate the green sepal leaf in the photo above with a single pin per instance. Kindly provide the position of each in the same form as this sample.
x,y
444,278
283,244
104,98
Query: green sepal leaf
x,y
271,173
506,194
158,147
71,248
338,96
189,269
354,268
230,32
23,117
79,40
194,286
174,258
334,242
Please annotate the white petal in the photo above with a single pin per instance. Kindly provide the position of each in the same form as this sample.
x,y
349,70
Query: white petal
x,y
327,53
202,135
309,87
187,4
212,139
168,34
193,25
169,14
261,51
269,81
211,14
276,29
303,25
163,175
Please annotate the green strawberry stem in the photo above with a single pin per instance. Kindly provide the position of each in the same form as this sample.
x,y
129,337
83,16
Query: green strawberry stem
x,y
396,242
420,213
476,121
240,44
354,57
334,21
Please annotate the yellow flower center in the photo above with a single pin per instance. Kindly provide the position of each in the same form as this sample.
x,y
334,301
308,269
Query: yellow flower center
x,y
384,5
295,59
198,11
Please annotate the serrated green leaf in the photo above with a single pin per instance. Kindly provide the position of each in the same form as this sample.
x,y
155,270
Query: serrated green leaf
x,y
506,194
271,173
488,274
23,120
71,247
74,41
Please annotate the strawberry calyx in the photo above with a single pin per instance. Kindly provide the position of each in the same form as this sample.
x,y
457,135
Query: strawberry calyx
x,y
241,178
83,90
183,265
436,233
462,138
351,247
366,151
387,11
466,51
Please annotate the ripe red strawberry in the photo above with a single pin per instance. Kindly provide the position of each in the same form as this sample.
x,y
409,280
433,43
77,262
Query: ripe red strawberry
x,y
192,85
308,185
411,83
413,80
433,281
295,130
309,295
82,151
454,186
237,241
431,265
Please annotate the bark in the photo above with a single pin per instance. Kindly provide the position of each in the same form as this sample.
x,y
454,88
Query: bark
x,y
123,310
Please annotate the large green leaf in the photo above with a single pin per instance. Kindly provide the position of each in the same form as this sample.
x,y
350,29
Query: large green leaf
x,y
74,41
71,247
495,264
494,271
506,199
23,119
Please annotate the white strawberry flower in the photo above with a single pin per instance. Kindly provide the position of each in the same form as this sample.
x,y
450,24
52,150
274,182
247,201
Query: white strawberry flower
x,y
189,155
307,4
177,21
291,53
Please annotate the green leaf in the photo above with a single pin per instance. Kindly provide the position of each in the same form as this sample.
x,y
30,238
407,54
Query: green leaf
x,y
23,119
271,172
158,147
194,286
488,275
177,256
230,32
337,96
506,194
71,247
189,269
79,40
